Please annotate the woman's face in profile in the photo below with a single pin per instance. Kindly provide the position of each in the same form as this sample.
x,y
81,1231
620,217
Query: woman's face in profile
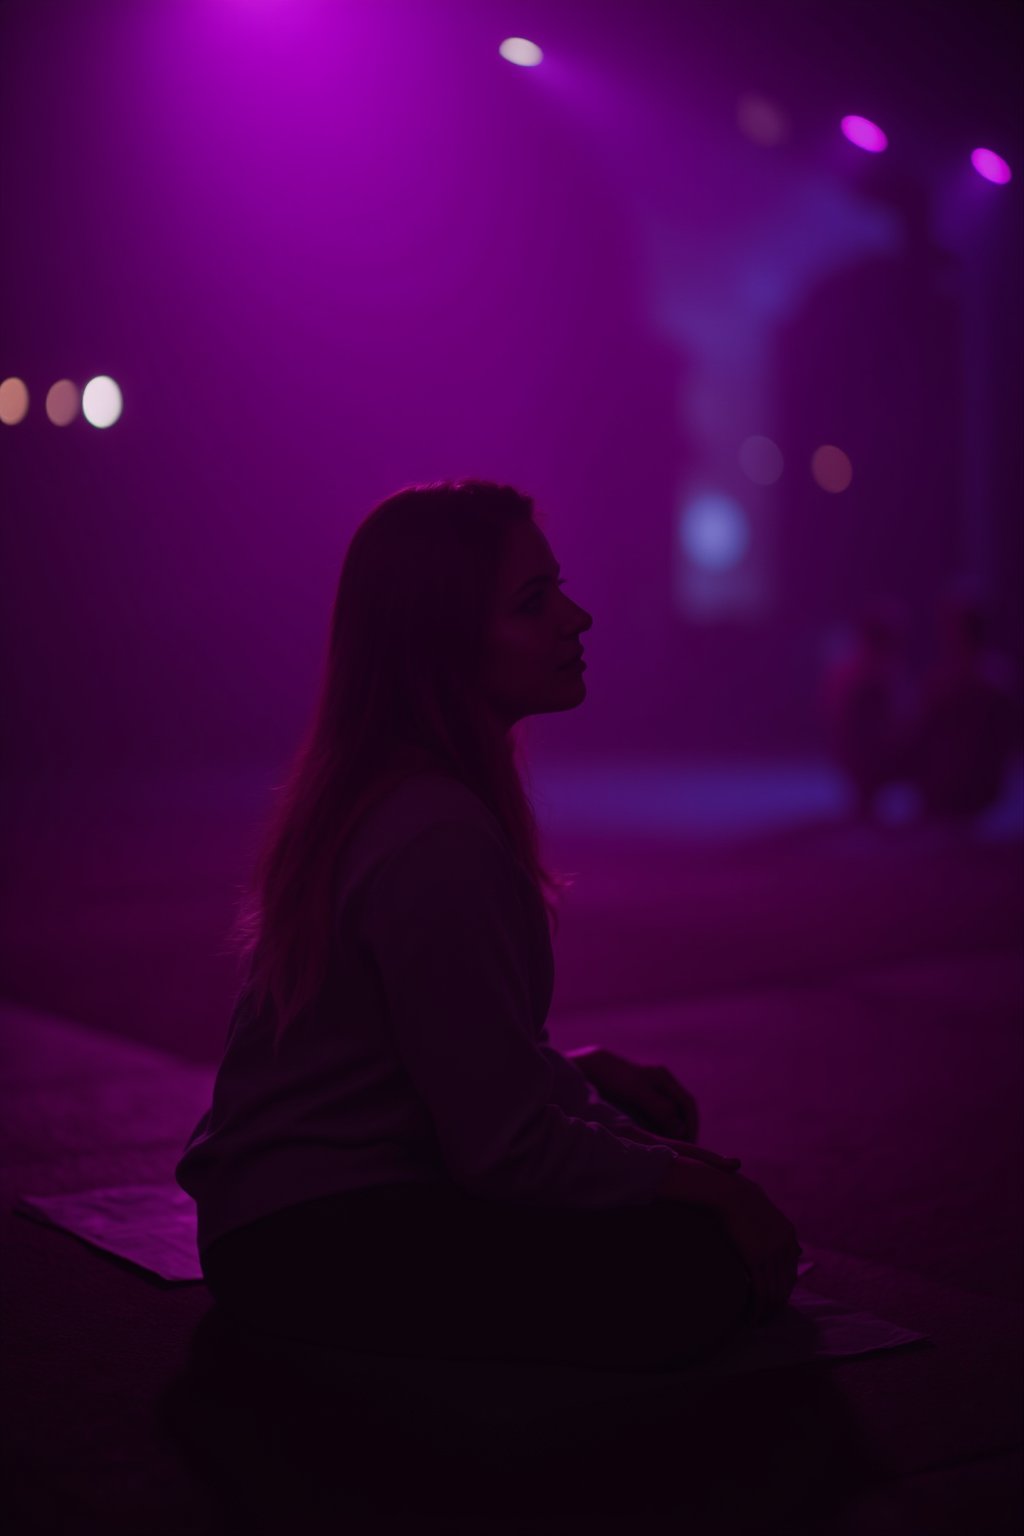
x,y
535,631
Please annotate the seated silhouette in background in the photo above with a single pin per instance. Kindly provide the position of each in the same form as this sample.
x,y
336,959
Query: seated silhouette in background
x,y
969,725
868,705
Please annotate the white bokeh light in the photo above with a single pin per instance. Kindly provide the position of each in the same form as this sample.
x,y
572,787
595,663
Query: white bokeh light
x,y
101,401
715,532
518,50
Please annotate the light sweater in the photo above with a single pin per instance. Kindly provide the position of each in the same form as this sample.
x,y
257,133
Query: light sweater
x,y
426,1057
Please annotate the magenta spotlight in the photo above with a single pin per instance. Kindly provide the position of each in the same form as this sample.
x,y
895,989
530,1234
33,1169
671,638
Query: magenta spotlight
x,y
990,165
865,134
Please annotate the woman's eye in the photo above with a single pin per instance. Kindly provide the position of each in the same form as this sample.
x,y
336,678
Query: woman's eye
x,y
532,604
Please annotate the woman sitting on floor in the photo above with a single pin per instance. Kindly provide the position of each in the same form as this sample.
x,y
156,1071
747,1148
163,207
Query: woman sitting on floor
x,y
396,1159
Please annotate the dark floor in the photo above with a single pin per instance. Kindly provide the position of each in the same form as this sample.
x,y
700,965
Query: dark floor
x,y
845,1002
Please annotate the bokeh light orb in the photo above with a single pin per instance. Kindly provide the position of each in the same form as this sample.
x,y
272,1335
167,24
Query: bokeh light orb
x,y
865,134
13,402
831,468
761,121
62,402
101,401
518,50
761,460
715,533
992,166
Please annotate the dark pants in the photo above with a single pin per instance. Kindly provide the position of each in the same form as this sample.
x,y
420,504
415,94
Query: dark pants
x,y
430,1271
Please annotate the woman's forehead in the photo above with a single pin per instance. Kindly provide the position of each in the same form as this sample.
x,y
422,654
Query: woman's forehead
x,y
527,554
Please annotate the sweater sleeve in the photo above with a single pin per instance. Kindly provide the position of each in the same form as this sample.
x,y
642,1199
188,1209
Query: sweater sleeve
x,y
579,1097
444,922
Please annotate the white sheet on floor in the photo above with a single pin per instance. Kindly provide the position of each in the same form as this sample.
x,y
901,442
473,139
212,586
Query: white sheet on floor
x,y
810,1327
153,1225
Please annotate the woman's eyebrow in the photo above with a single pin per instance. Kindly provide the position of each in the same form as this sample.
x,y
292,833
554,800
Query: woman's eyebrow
x,y
534,580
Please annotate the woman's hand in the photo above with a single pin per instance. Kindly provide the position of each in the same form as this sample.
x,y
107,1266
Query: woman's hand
x,y
765,1239
762,1236
681,1148
650,1095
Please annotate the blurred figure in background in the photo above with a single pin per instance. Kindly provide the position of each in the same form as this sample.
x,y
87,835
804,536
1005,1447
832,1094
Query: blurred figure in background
x,y
969,726
868,703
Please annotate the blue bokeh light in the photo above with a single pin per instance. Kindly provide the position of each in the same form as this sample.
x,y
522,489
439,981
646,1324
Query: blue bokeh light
x,y
715,531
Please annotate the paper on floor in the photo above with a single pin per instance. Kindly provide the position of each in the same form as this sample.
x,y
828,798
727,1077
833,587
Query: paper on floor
x,y
810,1327
153,1225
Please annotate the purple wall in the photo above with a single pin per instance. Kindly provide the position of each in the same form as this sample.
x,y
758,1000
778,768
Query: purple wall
x,y
327,249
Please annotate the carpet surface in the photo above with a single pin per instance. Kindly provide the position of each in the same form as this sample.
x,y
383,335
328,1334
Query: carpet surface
x,y
847,1009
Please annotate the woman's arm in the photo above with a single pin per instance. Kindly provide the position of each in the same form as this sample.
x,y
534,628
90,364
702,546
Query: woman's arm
x,y
651,1096
442,919
574,1092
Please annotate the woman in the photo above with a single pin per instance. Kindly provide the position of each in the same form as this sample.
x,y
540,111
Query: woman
x,y
396,1159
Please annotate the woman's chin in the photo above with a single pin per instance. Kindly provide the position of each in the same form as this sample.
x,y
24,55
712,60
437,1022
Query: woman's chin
x,y
574,693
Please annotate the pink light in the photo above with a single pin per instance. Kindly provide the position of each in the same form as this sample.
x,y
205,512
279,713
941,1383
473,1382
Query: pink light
x,y
831,468
762,121
13,402
990,165
761,460
865,134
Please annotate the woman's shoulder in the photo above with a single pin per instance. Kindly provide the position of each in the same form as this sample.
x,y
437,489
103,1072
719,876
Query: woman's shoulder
x,y
426,807
426,798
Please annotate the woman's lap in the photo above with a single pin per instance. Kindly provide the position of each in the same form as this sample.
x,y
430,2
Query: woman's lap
x,y
428,1270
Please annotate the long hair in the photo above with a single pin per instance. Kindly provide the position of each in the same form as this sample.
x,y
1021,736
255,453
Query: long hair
x,y
401,687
